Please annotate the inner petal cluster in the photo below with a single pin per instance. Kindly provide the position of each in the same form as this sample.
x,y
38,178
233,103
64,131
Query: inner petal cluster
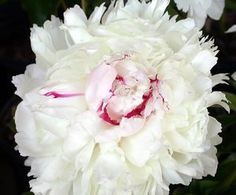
x,y
132,92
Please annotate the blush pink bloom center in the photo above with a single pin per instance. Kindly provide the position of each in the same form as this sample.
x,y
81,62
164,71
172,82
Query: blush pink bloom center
x,y
121,89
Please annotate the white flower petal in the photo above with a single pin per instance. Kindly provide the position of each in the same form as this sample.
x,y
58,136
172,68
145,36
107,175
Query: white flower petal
x,y
218,98
99,84
143,144
219,79
199,10
204,61
234,76
32,78
47,41
26,135
216,9
214,127
95,17
75,17
231,29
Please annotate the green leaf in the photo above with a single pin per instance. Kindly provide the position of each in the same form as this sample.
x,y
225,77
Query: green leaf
x,y
27,193
71,3
232,100
40,11
227,175
227,120
228,145
203,187
230,4
182,191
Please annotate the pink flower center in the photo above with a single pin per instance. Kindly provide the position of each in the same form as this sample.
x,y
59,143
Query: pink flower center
x,y
149,97
122,90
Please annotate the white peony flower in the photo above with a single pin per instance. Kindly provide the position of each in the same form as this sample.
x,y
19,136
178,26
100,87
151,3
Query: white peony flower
x,y
117,103
200,9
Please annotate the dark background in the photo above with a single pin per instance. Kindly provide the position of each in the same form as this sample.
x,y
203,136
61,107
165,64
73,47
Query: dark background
x,y
16,18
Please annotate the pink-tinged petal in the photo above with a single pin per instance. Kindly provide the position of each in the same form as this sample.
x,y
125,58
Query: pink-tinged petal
x,y
140,108
99,85
105,116
116,107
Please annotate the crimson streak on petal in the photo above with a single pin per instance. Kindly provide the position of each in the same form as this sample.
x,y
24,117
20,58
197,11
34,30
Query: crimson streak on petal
x,y
138,111
55,94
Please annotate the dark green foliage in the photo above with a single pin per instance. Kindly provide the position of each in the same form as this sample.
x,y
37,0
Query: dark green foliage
x,y
40,11
27,193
